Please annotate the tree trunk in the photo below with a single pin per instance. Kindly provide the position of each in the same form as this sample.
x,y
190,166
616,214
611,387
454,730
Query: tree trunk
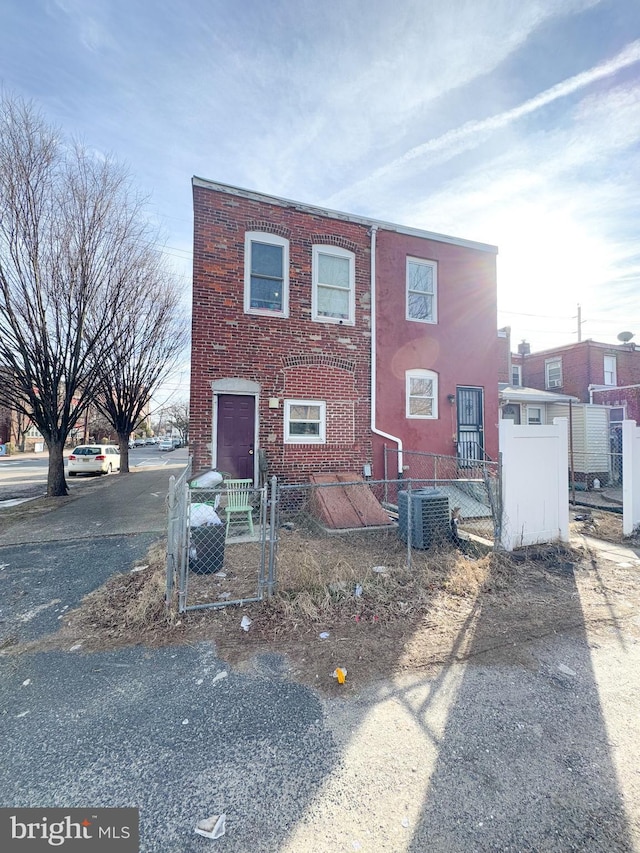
x,y
123,441
56,483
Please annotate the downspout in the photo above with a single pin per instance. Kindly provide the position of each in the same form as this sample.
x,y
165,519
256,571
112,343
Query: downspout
x,y
374,428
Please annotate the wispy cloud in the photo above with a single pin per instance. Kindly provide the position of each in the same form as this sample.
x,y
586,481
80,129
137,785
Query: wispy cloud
x,y
558,205
473,133
88,19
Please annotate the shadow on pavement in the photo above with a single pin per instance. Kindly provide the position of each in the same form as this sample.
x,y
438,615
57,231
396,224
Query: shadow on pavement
x,y
524,761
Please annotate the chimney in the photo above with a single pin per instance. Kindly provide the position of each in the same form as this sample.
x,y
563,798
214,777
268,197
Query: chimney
x,y
524,348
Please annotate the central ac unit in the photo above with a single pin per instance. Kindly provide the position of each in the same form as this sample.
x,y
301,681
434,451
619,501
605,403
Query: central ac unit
x,y
430,518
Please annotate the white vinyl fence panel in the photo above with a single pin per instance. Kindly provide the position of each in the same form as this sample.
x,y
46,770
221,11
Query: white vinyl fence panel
x,y
535,487
630,477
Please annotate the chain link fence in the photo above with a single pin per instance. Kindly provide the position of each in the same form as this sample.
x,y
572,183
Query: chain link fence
x,y
473,488
177,527
297,536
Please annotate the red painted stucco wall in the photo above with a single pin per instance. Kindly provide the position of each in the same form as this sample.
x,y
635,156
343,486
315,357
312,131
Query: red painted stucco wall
x,y
462,347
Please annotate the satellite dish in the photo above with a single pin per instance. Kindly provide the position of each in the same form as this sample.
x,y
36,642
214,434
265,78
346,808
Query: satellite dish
x,y
625,337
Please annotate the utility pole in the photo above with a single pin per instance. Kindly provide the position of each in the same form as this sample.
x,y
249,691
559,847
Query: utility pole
x,y
579,323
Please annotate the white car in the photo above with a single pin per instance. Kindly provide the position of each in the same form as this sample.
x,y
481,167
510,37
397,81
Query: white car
x,y
165,444
94,459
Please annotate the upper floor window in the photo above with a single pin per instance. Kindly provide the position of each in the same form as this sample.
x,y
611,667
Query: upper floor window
x,y
610,372
422,394
516,374
305,421
333,285
266,274
422,287
553,373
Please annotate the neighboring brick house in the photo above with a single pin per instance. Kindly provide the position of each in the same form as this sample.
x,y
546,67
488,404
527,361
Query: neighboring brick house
x,y
582,368
282,378
624,402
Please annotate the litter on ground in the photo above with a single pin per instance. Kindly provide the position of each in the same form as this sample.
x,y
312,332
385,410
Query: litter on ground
x,y
212,827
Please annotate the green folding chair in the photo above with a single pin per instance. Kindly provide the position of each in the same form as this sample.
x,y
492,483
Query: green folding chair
x,y
239,493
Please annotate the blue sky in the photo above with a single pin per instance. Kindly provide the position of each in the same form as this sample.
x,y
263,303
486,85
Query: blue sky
x,y
508,122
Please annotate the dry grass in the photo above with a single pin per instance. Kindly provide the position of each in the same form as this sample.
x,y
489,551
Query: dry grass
x,y
128,609
449,604
318,578
601,525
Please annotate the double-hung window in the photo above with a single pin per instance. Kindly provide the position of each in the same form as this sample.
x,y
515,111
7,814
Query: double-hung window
x,y
553,373
266,274
421,394
422,290
610,370
305,422
516,375
333,285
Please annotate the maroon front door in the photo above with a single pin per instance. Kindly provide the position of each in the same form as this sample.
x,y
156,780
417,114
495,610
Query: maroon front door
x,y
236,430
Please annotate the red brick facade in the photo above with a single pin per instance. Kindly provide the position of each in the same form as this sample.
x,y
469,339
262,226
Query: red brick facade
x,y
582,366
627,398
289,357
282,358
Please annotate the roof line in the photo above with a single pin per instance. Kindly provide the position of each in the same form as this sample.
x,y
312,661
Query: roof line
x,y
587,341
606,389
336,214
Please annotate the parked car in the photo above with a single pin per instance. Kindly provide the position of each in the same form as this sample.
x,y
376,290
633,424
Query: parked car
x,y
176,443
138,442
94,459
165,444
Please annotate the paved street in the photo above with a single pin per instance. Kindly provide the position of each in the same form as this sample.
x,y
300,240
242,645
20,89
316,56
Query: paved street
x,y
532,747
25,475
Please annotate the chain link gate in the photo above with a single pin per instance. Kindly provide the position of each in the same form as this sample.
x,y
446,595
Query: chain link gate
x,y
226,547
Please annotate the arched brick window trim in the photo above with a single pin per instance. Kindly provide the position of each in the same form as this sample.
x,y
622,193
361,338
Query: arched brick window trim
x,y
334,240
268,227
305,360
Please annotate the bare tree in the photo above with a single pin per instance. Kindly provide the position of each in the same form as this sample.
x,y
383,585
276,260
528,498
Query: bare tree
x,y
146,338
71,238
177,415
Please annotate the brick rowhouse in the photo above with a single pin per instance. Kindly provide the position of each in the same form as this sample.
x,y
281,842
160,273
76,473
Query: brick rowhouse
x,y
280,358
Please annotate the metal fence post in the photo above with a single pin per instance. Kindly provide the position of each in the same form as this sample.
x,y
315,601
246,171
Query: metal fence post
x,y
409,523
271,578
386,475
170,567
183,561
263,542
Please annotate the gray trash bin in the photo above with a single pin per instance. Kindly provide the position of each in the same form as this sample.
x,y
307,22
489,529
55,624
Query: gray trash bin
x,y
206,549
